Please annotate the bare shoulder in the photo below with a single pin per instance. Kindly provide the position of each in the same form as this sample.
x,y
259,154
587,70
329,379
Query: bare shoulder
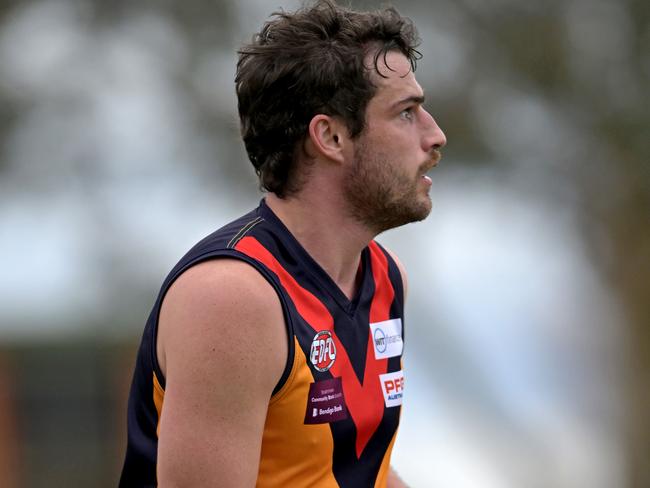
x,y
222,279
402,270
221,301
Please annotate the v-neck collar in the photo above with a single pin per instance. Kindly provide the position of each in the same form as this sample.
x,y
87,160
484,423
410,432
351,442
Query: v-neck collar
x,y
312,267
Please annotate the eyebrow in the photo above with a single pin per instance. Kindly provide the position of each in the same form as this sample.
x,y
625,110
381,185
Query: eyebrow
x,y
412,99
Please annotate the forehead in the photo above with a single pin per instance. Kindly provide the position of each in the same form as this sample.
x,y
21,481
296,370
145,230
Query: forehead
x,y
393,77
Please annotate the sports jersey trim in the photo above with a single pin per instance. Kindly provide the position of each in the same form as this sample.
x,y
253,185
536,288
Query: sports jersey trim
x,y
243,231
287,383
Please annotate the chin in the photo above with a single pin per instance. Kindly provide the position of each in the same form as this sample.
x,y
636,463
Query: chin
x,y
422,214
418,211
423,210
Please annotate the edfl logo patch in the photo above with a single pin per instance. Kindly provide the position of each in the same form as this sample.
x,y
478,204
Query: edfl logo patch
x,y
323,351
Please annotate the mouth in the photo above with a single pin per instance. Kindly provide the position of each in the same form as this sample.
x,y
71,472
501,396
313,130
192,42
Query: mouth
x,y
430,164
427,180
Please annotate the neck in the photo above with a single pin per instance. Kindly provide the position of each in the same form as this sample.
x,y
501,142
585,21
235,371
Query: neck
x,y
322,227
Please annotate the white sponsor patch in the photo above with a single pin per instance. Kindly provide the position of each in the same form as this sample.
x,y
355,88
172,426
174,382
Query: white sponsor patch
x,y
392,385
387,338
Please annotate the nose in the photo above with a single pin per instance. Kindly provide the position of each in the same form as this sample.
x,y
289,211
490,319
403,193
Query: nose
x,y
433,137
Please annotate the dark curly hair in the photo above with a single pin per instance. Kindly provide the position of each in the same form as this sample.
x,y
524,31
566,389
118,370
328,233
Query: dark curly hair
x,y
305,63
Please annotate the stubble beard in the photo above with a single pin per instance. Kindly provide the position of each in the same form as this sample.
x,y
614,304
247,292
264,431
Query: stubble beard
x,y
381,197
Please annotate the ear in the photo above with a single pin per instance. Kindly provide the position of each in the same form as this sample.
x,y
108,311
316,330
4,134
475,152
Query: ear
x,y
328,138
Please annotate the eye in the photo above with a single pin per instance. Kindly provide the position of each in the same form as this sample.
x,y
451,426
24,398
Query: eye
x,y
408,114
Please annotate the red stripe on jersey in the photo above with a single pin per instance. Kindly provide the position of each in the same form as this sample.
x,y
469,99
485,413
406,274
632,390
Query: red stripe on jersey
x,y
365,401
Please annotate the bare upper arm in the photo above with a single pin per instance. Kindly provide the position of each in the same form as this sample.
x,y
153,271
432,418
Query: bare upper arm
x,y
222,345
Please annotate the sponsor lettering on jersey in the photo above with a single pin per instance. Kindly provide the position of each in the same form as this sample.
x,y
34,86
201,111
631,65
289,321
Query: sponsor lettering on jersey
x,y
392,386
326,402
387,338
323,351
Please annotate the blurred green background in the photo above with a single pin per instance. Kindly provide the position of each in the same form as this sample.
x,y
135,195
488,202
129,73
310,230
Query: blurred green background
x,y
528,351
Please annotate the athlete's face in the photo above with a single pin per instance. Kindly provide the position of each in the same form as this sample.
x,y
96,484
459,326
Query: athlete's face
x,y
386,185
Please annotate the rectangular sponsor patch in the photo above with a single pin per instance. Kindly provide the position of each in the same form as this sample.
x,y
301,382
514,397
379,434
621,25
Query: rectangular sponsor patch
x,y
326,402
392,385
387,338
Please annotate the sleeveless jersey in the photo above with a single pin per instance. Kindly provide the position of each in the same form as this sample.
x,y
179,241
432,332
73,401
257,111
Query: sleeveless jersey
x,y
333,416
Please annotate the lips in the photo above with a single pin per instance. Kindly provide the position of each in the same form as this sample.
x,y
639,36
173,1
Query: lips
x,y
432,163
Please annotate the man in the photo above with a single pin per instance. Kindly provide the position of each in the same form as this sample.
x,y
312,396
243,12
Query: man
x,y
272,356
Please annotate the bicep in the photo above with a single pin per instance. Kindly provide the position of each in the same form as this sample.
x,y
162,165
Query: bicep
x,y
224,342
